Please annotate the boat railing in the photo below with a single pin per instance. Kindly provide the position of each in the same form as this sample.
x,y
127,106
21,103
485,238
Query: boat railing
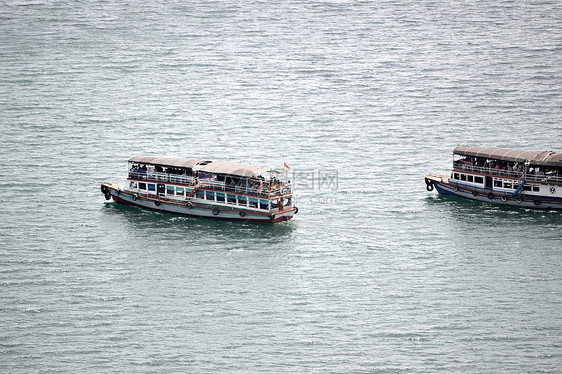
x,y
163,177
266,192
532,177
252,191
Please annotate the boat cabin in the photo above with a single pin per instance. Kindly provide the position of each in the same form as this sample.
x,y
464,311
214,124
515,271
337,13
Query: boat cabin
x,y
213,179
543,166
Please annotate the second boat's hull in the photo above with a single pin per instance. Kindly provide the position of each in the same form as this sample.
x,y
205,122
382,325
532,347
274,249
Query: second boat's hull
x,y
443,186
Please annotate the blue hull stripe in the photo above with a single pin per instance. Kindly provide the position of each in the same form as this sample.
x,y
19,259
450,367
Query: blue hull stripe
x,y
527,201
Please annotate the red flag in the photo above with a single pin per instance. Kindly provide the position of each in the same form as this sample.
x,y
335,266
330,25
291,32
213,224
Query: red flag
x,y
287,166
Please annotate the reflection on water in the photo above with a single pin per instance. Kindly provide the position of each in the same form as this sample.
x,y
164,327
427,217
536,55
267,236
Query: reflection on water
x,y
181,227
466,210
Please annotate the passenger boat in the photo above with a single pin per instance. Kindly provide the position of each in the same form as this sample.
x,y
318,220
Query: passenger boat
x,y
503,176
205,189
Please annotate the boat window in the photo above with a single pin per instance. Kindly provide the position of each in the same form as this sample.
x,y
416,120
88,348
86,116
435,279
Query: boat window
x,y
220,197
463,177
536,188
179,191
470,178
200,194
253,202
142,186
498,183
264,204
242,200
210,195
170,191
456,176
151,187
507,184
231,199
478,180
526,187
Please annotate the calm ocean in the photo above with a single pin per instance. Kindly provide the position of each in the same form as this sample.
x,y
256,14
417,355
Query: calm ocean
x,y
361,99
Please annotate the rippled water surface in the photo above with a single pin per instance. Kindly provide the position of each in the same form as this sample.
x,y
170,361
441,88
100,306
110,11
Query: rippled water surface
x,y
374,274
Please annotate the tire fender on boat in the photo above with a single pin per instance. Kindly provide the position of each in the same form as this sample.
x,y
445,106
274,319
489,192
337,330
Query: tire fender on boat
x,y
135,197
272,217
537,202
504,198
189,205
296,210
474,193
216,211
490,195
108,195
242,214
103,189
156,202
456,188
429,186
519,199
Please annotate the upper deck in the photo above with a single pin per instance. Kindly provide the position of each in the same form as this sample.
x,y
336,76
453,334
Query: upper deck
x,y
218,175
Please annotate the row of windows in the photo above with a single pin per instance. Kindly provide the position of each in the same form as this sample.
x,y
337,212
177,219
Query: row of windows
x,y
219,197
468,178
509,184
498,183
170,190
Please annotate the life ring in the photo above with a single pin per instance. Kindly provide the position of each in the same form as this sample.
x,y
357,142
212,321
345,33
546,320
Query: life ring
x,y
189,205
156,202
135,197
474,193
107,195
429,187
537,202
216,211
504,198
519,199
296,210
456,188
490,195
242,214
103,189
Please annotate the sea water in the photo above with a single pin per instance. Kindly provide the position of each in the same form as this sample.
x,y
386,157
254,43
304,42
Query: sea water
x,y
361,99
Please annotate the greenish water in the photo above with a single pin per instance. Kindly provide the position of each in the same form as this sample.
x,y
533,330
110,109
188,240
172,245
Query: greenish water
x,y
361,99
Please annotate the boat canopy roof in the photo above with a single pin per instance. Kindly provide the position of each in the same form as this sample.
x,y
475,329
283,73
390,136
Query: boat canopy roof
x,y
215,167
166,161
221,167
543,158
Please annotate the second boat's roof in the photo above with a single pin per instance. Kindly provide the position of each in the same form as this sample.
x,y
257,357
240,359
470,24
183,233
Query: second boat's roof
x,y
545,158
